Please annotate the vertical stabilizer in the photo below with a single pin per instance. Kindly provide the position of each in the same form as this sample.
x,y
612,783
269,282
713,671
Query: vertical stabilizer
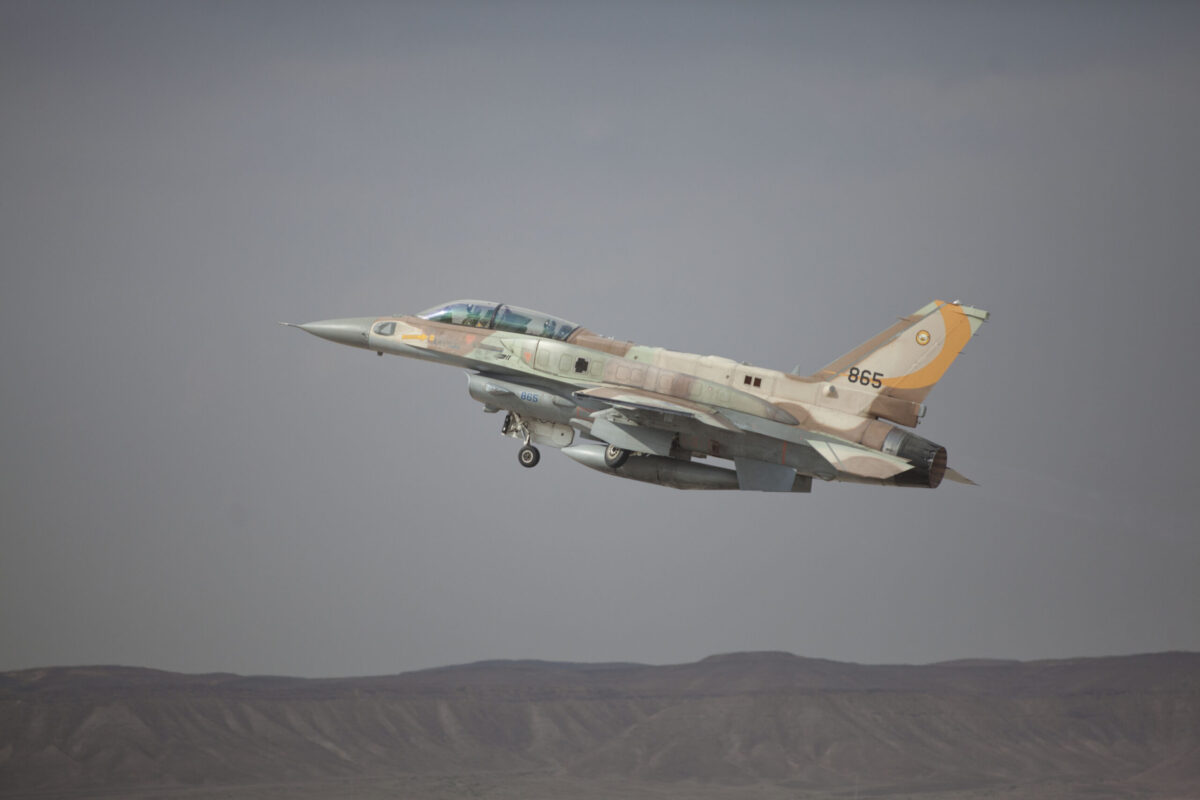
x,y
909,358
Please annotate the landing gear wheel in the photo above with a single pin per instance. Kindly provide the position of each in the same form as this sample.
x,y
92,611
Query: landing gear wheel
x,y
529,456
614,456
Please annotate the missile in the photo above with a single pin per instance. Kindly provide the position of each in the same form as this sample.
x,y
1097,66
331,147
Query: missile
x,y
672,472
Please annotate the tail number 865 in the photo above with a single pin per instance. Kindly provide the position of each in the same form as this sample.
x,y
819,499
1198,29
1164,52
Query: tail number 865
x,y
865,377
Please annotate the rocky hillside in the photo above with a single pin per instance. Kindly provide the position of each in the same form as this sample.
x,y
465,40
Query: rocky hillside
x,y
1129,723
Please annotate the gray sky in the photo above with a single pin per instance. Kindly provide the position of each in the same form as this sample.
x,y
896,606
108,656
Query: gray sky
x,y
186,485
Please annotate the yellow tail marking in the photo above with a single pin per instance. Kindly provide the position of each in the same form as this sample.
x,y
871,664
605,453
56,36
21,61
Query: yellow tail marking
x,y
958,333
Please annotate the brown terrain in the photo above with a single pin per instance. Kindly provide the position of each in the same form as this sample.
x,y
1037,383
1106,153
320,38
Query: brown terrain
x,y
768,725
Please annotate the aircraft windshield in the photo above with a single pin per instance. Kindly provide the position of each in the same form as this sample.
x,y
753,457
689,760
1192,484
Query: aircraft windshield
x,y
497,316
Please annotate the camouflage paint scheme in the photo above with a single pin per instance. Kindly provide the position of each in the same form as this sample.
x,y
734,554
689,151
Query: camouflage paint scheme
x,y
652,410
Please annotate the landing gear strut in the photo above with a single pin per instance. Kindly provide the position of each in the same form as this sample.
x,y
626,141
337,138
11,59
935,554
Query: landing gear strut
x,y
528,456
511,426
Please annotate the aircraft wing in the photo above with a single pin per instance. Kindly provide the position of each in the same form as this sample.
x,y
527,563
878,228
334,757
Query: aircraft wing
x,y
657,408
646,422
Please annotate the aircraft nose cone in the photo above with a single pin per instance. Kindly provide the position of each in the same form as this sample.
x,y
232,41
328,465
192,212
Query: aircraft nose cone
x,y
352,331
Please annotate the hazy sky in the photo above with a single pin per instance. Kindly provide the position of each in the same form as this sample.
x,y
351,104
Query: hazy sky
x,y
186,485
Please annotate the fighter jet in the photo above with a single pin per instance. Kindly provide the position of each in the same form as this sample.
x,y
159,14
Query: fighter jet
x,y
652,414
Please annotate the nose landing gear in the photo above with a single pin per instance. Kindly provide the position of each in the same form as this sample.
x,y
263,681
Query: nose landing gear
x,y
528,456
513,425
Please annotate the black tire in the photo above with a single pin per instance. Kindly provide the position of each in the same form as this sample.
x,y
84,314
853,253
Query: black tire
x,y
528,456
614,456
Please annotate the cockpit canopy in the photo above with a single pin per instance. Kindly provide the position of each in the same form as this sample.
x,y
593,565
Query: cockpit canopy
x,y
500,317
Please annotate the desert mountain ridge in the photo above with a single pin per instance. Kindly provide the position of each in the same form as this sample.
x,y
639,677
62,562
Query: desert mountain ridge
x,y
1129,724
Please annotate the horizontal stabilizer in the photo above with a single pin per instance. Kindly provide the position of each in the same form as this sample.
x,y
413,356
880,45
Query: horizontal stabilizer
x,y
858,460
